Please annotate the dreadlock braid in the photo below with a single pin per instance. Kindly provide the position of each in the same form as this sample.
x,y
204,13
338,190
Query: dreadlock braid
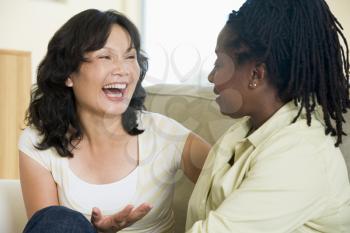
x,y
299,41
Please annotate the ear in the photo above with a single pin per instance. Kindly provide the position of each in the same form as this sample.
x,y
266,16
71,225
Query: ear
x,y
69,82
258,76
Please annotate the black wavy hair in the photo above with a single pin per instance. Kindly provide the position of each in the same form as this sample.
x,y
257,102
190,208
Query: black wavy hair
x,y
299,42
52,109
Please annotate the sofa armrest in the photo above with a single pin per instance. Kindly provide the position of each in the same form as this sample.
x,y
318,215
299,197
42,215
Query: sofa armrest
x,y
12,211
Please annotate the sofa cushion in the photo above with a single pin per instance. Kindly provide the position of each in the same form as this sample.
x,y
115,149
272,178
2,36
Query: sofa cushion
x,y
195,108
192,106
12,212
345,146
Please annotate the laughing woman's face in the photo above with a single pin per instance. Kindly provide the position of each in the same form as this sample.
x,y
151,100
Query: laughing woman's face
x,y
104,85
230,79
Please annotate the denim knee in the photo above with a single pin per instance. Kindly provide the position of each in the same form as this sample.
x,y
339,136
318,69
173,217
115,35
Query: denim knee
x,y
58,219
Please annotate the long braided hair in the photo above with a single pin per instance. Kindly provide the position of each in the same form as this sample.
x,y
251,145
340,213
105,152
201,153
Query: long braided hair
x,y
299,42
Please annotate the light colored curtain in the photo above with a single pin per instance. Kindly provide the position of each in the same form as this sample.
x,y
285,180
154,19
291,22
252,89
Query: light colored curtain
x,y
133,9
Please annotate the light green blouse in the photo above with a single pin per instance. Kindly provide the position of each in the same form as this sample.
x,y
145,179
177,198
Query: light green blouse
x,y
285,178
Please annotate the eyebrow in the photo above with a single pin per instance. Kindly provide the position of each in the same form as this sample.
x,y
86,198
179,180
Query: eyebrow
x,y
111,49
130,48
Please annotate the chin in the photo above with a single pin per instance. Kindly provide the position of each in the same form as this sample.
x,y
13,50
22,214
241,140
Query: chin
x,y
235,115
115,111
230,110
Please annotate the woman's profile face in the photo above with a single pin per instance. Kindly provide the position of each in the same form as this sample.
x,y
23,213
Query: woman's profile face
x,y
105,83
230,79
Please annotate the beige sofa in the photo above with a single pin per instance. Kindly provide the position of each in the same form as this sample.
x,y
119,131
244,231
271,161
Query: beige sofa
x,y
195,107
192,106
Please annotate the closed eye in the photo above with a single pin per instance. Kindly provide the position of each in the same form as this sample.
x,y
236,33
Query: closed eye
x,y
131,57
105,57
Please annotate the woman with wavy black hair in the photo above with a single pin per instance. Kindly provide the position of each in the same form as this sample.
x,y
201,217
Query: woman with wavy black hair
x,y
90,151
280,65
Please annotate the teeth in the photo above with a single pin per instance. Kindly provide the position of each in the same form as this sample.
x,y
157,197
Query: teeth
x,y
116,86
115,94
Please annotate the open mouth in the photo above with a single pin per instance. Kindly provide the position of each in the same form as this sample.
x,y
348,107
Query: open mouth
x,y
216,91
115,90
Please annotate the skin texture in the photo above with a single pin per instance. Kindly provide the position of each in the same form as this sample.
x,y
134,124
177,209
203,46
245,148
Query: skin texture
x,y
106,153
243,89
114,63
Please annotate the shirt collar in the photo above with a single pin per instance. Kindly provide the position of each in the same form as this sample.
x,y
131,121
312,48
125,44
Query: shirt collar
x,y
283,117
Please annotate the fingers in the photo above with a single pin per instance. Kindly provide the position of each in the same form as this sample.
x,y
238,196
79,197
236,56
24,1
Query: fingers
x,y
139,212
129,215
120,220
123,214
96,215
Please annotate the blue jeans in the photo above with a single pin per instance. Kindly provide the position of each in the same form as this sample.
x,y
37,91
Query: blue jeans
x,y
58,219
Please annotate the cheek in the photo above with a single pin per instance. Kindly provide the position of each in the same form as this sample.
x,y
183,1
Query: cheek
x,y
134,71
137,72
82,83
87,93
225,83
226,71
230,101
223,77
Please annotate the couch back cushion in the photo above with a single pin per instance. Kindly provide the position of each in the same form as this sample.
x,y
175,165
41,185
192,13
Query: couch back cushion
x,y
192,106
195,108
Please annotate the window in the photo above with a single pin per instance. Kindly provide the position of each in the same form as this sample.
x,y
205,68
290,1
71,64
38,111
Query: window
x,y
180,37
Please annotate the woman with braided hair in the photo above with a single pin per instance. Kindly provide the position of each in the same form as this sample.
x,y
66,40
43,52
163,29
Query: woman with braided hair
x,y
283,66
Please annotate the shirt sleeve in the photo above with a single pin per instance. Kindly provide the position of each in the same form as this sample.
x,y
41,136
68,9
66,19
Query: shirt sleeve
x,y
27,144
171,134
283,189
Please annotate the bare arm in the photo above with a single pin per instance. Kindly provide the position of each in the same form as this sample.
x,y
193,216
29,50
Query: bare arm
x,y
194,154
38,187
40,191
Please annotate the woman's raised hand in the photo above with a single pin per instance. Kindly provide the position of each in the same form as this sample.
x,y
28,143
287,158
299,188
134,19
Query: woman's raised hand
x,y
120,220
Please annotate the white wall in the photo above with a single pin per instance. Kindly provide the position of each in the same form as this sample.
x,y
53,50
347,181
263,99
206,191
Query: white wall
x,y
180,38
180,51
340,9
29,24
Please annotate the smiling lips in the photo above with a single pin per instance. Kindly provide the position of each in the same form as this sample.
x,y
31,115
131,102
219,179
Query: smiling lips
x,y
216,91
115,91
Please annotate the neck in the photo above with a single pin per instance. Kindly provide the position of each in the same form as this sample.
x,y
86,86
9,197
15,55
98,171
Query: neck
x,y
99,130
264,112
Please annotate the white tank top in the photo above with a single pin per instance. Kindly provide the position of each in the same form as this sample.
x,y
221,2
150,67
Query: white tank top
x,y
106,196
152,182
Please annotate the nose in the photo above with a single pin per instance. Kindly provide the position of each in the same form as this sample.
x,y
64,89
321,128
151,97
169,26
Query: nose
x,y
211,77
119,68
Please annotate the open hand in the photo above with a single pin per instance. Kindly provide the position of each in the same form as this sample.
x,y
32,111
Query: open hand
x,y
120,220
